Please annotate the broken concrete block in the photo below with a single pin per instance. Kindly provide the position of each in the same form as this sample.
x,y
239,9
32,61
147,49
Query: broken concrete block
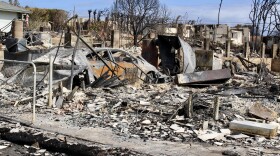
x,y
59,102
205,125
230,153
225,131
42,151
254,128
65,90
239,117
218,143
36,145
144,103
71,95
262,112
260,139
3,147
276,124
278,120
177,128
26,146
213,135
61,138
238,136
54,102
15,130
146,122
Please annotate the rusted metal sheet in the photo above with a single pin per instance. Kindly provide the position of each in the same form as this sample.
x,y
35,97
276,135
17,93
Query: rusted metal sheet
x,y
123,70
203,77
123,64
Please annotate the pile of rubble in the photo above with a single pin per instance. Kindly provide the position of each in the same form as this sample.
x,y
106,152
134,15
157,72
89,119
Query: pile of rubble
x,y
157,112
190,97
163,112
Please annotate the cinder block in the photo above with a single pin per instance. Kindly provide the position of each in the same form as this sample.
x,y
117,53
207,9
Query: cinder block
x,y
254,128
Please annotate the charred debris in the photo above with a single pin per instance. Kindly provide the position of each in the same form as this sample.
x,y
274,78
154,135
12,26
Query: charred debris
x,y
172,88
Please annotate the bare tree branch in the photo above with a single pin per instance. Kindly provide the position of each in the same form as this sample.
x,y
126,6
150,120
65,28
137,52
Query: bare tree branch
x,y
135,16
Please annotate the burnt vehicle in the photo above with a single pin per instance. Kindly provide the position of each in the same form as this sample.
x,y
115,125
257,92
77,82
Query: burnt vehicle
x,y
89,66
124,65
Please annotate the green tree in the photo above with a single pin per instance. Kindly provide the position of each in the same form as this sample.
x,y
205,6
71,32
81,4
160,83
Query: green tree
x,y
57,17
39,17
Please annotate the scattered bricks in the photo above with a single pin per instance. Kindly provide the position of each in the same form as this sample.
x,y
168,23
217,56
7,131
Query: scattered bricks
x,y
205,125
254,128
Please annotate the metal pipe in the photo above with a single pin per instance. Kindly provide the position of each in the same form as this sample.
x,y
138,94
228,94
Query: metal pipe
x,y
34,84
189,107
73,58
34,93
216,108
50,81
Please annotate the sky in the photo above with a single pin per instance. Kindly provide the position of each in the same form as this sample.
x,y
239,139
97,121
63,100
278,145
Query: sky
x,y
233,11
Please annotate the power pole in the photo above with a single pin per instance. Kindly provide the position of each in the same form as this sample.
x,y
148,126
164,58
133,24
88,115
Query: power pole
x,y
219,11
